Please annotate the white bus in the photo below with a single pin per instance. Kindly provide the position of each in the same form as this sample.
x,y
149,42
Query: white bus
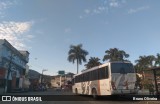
x,y
112,78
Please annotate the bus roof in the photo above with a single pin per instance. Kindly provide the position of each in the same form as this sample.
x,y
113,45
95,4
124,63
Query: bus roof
x,y
100,66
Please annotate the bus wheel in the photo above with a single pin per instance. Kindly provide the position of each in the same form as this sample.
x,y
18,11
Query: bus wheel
x,y
94,94
76,91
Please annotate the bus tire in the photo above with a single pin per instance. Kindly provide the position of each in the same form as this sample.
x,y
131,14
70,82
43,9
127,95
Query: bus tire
x,y
94,93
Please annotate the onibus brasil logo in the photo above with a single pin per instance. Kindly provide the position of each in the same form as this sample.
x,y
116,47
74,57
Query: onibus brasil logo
x,y
18,98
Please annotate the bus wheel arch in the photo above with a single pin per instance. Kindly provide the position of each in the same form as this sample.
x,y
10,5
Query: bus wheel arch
x,y
76,91
94,93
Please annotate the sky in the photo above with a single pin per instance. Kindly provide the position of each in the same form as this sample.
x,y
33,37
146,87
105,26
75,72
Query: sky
x,y
47,28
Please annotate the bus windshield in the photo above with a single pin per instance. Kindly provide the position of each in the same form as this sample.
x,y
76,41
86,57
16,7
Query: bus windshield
x,y
122,68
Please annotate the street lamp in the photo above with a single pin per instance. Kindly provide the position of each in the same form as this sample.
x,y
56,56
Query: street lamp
x,y
42,74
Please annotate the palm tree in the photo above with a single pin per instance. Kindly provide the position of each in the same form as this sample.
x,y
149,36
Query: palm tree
x,y
142,62
114,54
137,68
157,60
122,55
93,61
78,54
151,60
145,61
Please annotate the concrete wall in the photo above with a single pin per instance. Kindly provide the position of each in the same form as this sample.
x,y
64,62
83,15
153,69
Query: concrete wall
x,y
56,80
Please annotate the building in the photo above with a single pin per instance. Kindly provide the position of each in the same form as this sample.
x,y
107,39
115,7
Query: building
x,y
59,80
15,62
26,83
33,76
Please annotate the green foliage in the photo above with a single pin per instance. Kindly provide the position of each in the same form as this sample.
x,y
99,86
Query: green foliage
x,y
93,61
78,54
144,62
157,60
114,54
145,83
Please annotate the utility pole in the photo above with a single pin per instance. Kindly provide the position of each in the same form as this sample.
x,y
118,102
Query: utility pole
x,y
61,73
42,74
60,80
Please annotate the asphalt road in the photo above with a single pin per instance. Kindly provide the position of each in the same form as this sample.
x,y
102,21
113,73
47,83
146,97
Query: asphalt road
x,y
84,99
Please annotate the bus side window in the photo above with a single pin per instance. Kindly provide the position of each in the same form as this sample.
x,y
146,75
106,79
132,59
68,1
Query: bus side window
x,y
77,79
107,73
87,76
73,81
82,78
95,75
90,76
102,73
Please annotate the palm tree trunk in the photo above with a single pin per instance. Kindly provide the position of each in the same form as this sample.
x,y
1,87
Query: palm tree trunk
x,y
77,66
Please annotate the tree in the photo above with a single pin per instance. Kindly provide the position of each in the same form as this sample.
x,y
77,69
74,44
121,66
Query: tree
x,y
93,61
137,68
141,62
151,60
114,54
157,60
145,62
77,53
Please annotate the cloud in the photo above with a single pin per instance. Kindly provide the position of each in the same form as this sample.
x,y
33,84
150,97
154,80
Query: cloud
x,y
15,33
67,30
98,10
80,16
102,8
29,36
114,3
87,11
131,11
5,5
